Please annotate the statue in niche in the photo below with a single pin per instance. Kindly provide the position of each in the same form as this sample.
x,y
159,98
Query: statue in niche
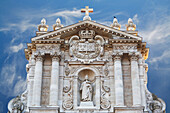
x,y
86,89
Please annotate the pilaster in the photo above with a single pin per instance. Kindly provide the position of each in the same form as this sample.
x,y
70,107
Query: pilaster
x,y
136,92
141,77
37,81
98,82
75,86
119,94
54,87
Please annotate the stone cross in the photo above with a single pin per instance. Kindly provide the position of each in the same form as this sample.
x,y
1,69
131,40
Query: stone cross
x,y
87,10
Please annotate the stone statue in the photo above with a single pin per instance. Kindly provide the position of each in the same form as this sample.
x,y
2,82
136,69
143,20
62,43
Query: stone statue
x,y
86,90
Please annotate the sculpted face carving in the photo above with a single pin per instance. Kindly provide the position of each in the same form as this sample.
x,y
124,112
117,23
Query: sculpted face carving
x,y
86,89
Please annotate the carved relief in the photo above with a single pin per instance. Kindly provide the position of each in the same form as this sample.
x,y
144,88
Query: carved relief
x,y
85,48
18,104
68,96
154,104
48,49
125,48
106,71
105,103
67,70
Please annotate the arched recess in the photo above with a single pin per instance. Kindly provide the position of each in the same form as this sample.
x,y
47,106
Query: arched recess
x,y
92,73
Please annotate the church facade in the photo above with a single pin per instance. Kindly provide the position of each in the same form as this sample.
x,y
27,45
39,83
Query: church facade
x,y
86,67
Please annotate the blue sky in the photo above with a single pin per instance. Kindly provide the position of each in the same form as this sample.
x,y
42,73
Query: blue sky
x,y
19,20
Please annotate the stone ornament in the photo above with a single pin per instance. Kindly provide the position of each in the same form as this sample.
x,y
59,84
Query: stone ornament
x,y
49,49
115,24
68,101
67,70
130,26
18,104
106,71
58,25
43,27
86,49
157,106
124,48
105,103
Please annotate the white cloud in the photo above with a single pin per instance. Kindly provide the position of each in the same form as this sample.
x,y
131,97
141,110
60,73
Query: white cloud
x,y
67,15
163,58
17,48
21,26
12,83
135,19
157,32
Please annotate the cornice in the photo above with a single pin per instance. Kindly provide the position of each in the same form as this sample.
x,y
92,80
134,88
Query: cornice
x,y
86,23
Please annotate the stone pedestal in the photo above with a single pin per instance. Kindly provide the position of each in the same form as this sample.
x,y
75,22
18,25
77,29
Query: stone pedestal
x,y
87,105
44,110
128,110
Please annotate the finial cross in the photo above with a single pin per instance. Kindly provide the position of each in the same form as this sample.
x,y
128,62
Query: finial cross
x,y
87,10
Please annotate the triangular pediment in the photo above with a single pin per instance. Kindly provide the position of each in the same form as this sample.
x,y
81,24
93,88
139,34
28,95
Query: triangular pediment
x,y
101,29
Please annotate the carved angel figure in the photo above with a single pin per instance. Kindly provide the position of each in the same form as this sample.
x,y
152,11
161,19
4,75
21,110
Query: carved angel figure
x,y
86,90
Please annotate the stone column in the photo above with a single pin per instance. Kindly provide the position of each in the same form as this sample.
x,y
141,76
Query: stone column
x,y
119,101
136,93
37,81
54,82
75,90
98,91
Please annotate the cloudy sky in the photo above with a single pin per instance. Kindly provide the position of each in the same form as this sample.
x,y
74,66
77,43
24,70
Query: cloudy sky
x,y
19,20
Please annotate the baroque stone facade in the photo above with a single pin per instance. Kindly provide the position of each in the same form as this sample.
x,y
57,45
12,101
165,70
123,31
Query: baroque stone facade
x,y
86,67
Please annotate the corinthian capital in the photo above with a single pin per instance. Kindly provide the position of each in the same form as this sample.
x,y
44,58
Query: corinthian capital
x,y
134,56
39,56
55,56
117,56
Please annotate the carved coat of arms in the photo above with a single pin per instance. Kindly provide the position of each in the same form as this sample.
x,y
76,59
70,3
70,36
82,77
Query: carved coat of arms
x,y
86,48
